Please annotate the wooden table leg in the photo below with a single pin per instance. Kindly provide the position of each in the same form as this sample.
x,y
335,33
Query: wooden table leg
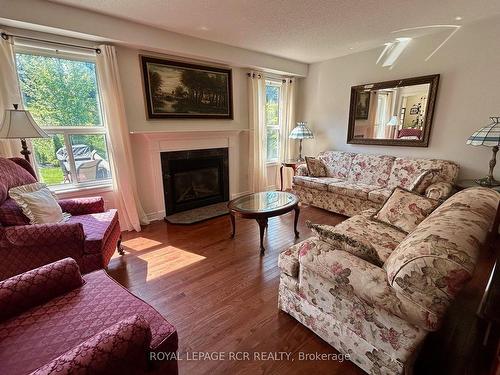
x,y
262,226
296,220
233,224
281,177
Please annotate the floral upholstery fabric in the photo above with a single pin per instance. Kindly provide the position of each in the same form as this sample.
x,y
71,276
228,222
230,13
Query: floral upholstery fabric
x,y
315,167
301,170
37,286
352,244
11,214
405,210
319,183
381,315
380,195
423,181
354,190
369,233
12,175
82,206
405,171
337,163
41,334
341,204
371,169
118,349
366,181
430,266
439,190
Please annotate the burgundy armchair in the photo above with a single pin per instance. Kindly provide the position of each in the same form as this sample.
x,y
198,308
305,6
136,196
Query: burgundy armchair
x,y
90,236
54,321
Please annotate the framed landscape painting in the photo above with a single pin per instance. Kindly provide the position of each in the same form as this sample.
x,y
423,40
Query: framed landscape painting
x,y
176,89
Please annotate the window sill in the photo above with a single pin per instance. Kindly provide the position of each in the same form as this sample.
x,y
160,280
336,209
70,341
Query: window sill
x,y
67,192
272,163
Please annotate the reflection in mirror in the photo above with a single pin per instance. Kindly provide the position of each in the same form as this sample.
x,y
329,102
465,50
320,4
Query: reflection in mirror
x,y
395,112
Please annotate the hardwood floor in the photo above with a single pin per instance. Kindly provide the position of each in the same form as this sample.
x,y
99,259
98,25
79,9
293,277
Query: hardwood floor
x,y
222,296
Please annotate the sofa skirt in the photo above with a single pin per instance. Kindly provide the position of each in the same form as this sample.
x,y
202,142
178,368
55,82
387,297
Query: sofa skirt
x,y
366,356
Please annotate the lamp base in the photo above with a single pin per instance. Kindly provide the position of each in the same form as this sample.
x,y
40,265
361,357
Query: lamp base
x,y
487,182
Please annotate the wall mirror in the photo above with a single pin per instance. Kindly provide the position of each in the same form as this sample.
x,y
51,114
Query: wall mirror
x,y
393,113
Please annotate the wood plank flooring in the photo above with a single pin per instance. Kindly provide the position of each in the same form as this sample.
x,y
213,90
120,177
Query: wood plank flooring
x,y
221,295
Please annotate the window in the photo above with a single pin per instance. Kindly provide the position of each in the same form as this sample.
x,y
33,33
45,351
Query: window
x,y
62,95
273,120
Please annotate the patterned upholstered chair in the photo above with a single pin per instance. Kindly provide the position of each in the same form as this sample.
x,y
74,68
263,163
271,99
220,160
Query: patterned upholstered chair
x,y
90,236
53,320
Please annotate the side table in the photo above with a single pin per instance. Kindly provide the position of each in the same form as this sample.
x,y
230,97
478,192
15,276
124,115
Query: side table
x,y
294,164
464,184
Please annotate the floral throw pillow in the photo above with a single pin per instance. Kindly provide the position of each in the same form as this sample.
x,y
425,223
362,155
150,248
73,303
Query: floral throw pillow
x,y
423,181
404,209
315,167
350,243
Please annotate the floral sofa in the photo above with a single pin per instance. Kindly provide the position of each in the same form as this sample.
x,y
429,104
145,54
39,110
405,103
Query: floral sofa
x,y
356,182
54,321
379,312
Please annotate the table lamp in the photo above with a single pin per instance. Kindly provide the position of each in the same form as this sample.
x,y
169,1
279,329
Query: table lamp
x,y
488,136
300,132
19,124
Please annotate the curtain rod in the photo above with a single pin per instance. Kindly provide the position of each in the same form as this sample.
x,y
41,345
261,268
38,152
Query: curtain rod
x,y
6,36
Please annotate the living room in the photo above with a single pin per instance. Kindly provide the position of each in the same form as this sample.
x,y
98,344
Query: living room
x,y
225,187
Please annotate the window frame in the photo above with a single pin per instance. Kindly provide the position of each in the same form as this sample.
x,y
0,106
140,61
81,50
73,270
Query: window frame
x,y
68,131
276,83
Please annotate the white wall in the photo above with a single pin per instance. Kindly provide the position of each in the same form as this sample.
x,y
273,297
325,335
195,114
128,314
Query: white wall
x,y
468,94
144,130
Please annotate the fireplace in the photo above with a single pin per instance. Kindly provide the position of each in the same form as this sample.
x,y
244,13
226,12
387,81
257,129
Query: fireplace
x,y
194,178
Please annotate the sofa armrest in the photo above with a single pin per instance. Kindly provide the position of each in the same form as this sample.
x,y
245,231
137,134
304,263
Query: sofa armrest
x,y
20,293
42,234
302,170
439,190
354,277
82,206
119,349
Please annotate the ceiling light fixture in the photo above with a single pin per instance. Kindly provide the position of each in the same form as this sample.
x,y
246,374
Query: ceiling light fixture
x,y
458,18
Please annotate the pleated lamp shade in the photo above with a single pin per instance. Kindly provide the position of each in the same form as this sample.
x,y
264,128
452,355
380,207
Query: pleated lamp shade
x,y
301,131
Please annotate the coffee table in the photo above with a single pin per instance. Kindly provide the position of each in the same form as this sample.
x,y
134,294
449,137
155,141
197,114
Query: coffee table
x,y
262,206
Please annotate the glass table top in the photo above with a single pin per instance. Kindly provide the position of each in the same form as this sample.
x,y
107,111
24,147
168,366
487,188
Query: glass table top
x,y
266,201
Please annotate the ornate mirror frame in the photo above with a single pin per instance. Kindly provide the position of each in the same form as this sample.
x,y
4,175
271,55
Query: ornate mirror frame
x,y
433,80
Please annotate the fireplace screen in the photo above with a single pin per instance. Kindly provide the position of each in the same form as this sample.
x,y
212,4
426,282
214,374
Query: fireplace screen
x,y
194,178
200,183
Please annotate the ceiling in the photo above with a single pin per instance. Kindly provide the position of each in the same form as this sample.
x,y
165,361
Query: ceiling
x,y
301,30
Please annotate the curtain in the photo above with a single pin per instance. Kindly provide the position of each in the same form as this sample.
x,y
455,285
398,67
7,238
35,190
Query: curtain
x,y
257,173
9,93
287,146
126,198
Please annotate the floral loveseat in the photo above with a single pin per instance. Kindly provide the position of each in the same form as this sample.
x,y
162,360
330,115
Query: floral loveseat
x,y
356,182
379,312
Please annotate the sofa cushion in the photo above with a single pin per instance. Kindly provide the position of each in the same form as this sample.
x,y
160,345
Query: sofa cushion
x,y
97,228
430,266
405,171
11,214
405,210
320,183
354,190
371,169
337,163
380,195
383,238
41,334
351,243
315,167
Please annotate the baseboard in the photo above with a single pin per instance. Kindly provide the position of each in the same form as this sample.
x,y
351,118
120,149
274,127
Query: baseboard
x,y
237,195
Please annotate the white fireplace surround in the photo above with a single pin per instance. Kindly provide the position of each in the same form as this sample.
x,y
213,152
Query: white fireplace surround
x,y
158,142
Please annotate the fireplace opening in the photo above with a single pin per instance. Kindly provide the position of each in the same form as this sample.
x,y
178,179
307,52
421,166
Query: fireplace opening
x,y
194,178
